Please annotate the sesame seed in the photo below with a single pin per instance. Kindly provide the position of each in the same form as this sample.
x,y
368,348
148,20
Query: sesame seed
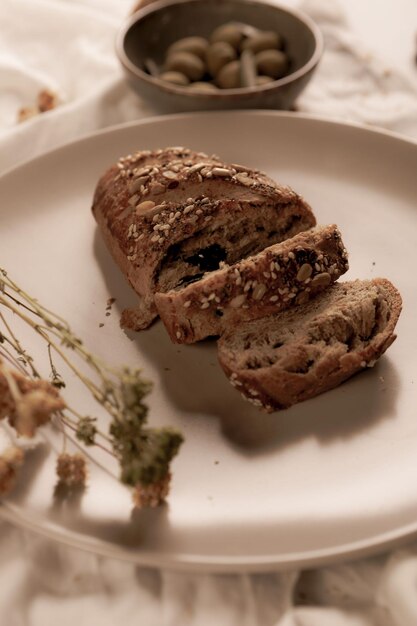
x,y
267,274
177,215
136,185
212,296
178,334
273,275
188,208
217,299
141,236
205,305
222,172
259,291
187,304
273,298
196,168
147,205
155,238
247,286
170,175
239,280
205,201
277,266
237,301
272,266
291,255
161,239
243,179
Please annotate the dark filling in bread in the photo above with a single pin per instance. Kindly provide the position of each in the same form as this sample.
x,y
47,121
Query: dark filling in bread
x,y
229,242
296,346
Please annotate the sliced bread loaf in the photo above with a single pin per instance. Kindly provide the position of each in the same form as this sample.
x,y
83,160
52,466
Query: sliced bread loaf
x,y
268,282
295,355
170,215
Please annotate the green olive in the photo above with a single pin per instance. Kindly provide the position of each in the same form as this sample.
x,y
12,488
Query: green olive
x,y
264,40
217,55
186,63
195,45
202,87
260,81
273,63
229,76
176,78
230,33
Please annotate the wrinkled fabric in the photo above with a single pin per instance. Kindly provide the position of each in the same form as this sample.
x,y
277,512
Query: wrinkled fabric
x,y
67,46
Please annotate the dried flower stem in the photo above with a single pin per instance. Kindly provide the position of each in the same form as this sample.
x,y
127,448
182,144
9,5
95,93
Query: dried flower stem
x,y
144,453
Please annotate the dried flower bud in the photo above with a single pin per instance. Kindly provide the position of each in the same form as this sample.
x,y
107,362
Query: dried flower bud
x,y
71,469
27,403
32,410
10,461
86,430
151,495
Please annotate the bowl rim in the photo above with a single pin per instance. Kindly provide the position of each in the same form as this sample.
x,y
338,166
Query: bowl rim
x,y
159,5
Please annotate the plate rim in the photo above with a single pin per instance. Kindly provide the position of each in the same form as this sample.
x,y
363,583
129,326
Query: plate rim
x,y
207,563
114,128
216,564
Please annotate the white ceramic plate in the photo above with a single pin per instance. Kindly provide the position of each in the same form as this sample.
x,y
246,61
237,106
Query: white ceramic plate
x,y
330,478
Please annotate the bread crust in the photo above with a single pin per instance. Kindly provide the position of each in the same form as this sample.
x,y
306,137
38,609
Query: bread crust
x,y
272,280
328,348
142,207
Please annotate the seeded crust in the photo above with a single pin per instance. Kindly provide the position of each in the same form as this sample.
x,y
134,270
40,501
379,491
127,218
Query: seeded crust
x,y
311,348
156,210
283,274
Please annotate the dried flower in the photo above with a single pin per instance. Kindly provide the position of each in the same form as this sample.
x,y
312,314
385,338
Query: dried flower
x,y
27,403
10,461
144,452
71,469
86,430
151,495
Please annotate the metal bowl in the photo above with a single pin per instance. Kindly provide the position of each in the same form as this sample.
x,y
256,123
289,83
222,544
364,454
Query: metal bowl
x,y
151,30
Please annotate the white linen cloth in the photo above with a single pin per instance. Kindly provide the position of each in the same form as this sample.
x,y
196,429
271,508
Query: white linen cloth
x,y
68,47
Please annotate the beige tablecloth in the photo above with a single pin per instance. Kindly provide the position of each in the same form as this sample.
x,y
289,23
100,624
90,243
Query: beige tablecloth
x,y
67,46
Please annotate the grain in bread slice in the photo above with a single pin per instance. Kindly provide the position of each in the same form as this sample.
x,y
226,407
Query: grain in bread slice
x,y
270,281
170,215
286,358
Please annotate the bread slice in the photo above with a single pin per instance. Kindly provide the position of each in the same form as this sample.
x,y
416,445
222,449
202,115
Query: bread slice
x,y
289,357
268,282
170,215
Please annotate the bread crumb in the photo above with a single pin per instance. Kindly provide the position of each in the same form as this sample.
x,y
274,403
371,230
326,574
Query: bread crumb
x,y
45,101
